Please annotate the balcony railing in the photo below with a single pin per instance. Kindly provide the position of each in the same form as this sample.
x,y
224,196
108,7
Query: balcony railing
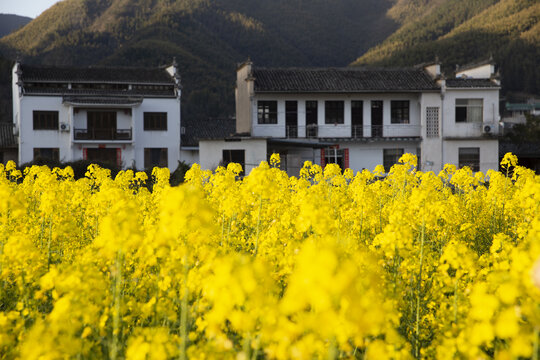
x,y
357,131
292,131
102,134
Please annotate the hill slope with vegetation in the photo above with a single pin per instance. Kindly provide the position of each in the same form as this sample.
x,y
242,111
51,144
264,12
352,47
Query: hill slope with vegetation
x,y
207,37
462,31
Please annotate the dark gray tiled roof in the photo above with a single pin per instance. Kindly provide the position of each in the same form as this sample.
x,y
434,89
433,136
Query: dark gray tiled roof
x,y
341,80
471,83
98,92
195,130
109,100
7,140
109,75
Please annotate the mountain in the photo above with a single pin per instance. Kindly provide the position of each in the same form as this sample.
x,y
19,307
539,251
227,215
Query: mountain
x,y
463,31
207,37
10,23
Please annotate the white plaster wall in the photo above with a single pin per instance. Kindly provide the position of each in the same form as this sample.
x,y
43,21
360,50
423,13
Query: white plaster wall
x,y
16,100
169,139
30,139
211,152
369,155
490,112
480,72
132,154
190,157
489,152
338,130
243,94
432,147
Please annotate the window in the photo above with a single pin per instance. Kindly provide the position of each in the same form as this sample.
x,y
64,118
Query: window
x,y
234,156
432,121
334,155
267,112
357,118
469,110
399,111
291,118
45,120
155,157
311,118
47,153
469,157
391,157
334,112
155,121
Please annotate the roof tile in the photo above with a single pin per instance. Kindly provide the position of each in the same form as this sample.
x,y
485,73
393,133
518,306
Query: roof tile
x,y
341,80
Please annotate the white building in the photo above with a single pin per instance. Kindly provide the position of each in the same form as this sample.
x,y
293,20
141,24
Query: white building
x,y
360,118
126,116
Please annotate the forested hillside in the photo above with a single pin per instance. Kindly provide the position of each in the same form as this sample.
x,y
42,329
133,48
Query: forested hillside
x,y
462,31
207,37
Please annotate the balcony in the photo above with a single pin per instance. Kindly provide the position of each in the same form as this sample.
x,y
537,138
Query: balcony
x,y
110,134
291,132
355,131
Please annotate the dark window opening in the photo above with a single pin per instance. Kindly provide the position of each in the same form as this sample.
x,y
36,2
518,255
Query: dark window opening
x,y
234,156
334,112
399,111
104,155
469,110
291,118
311,118
357,118
267,112
376,118
391,157
45,120
155,121
155,157
469,157
47,153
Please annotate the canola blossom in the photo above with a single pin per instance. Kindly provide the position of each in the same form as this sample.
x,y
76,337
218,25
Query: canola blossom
x,y
328,264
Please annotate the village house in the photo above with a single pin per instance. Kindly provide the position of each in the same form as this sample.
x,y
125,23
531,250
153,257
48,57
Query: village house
x,y
126,116
359,118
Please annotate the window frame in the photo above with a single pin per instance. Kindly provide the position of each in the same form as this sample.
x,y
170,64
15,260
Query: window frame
x,y
155,121
471,160
400,111
334,112
468,107
390,159
226,162
45,120
55,153
267,112
163,158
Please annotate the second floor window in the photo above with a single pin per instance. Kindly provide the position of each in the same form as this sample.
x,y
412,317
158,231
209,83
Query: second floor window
x,y
45,120
399,111
469,110
267,112
155,121
334,112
